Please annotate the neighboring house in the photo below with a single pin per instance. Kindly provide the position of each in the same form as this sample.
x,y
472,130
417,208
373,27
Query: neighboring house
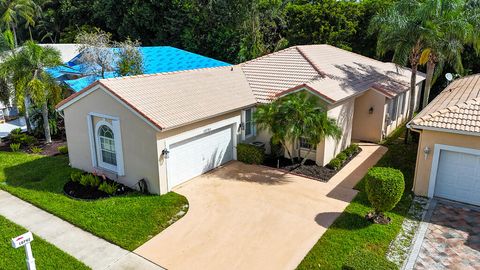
x,y
159,59
448,160
168,128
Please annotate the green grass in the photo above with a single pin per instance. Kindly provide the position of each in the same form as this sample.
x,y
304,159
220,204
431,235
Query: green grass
x,y
126,221
339,246
46,255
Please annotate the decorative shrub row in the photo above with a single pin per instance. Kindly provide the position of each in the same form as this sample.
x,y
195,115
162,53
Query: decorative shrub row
x,y
340,159
94,181
250,154
63,149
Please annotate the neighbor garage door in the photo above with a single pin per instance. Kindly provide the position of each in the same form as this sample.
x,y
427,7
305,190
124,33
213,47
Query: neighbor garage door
x,y
197,155
458,177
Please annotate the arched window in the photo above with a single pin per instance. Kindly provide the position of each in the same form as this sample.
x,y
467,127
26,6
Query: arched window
x,y
107,145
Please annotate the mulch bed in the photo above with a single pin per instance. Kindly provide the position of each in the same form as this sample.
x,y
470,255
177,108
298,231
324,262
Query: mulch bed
x,y
76,190
47,149
310,169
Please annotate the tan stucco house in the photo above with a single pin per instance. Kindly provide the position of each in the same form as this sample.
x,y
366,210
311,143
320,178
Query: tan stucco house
x,y
170,127
448,161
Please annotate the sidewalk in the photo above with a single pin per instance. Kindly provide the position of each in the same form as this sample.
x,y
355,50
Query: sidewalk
x,y
89,249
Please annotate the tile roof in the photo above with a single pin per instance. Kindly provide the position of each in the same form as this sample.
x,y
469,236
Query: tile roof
x,y
334,73
173,99
457,108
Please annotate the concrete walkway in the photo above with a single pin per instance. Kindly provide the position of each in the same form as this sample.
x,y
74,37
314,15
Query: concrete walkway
x,y
254,217
87,248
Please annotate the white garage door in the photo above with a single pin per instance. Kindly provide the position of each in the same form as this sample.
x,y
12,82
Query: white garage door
x,y
197,155
458,177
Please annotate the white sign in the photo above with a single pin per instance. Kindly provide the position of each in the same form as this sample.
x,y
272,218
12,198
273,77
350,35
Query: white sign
x,y
22,240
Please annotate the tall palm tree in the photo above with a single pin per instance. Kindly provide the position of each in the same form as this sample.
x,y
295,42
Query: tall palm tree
x,y
451,24
401,30
26,69
12,11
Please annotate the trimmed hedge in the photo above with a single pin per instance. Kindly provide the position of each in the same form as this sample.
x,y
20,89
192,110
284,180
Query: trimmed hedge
x,y
364,259
250,154
335,164
338,161
384,187
63,149
352,150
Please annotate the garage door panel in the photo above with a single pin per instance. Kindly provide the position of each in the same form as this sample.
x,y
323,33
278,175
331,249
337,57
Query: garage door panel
x,y
458,177
200,154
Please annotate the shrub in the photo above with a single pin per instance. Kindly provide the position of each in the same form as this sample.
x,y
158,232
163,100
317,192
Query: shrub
x,y
15,147
90,180
384,187
63,149
342,157
16,131
76,176
36,150
352,150
250,154
109,188
335,164
23,139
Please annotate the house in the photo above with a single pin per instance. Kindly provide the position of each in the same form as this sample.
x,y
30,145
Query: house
x,y
170,127
448,161
156,59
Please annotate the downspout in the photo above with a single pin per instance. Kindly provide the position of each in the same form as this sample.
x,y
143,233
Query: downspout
x,y
418,153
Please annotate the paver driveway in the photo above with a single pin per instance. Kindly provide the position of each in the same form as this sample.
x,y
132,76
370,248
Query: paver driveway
x,y
253,217
452,239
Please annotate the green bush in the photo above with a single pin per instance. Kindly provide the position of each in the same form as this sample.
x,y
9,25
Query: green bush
x,y
108,188
250,154
16,131
335,164
23,139
76,176
364,259
342,157
90,180
36,150
63,149
352,150
384,187
15,147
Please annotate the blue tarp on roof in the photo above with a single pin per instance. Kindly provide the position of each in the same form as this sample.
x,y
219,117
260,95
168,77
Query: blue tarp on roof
x,y
155,60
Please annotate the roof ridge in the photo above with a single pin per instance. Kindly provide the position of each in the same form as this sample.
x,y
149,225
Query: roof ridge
x,y
318,69
164,73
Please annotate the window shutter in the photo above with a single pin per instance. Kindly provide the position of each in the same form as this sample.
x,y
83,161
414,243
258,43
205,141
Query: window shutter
x,y
118,147
91,136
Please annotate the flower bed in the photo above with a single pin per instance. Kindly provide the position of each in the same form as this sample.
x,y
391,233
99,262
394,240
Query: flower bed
x,y
86,186
310,169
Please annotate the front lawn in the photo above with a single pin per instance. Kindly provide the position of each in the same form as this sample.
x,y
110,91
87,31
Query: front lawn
x,y
126,221
46,255
353,242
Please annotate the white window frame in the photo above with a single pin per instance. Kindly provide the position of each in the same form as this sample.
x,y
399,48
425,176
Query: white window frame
x,y
436,159
252,124
114,125
304,148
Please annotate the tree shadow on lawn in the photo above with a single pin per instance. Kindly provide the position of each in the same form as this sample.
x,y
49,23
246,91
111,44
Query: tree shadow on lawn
x,y
327,220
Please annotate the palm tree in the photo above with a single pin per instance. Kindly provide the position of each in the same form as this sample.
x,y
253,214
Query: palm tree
x,y
14,10
27,74
451,25
401,30
306,118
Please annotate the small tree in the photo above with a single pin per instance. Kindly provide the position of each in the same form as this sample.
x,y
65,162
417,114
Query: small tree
x,y
130,60
96,52
384,187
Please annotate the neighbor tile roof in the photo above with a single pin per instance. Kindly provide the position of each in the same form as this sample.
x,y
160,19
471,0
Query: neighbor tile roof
x,y
174,99
457,108
334,73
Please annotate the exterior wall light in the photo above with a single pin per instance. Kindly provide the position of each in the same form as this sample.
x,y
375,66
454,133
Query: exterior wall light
x,y
426,151
165,153
370,111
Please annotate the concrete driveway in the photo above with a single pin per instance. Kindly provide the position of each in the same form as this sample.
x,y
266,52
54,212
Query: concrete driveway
x,y
253,217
